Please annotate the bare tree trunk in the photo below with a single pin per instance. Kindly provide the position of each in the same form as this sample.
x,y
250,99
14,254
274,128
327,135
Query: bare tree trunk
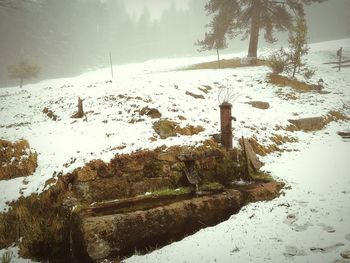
x,y
21,83
254,33
217,52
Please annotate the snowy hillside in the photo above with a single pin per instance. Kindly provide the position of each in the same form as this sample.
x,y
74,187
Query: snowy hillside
x,y
310,223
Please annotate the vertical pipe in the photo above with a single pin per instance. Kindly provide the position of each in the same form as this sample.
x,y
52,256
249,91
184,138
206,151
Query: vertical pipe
x,y
226,125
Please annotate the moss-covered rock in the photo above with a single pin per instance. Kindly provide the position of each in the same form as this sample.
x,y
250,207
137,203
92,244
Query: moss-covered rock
x,y
166,128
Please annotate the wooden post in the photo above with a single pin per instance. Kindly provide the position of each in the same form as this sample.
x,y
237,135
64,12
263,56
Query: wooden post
x,y
246,163
80,107
340,54
111,62
217,53
226,125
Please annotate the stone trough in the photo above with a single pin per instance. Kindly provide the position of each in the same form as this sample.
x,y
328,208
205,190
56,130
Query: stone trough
x,y
115,229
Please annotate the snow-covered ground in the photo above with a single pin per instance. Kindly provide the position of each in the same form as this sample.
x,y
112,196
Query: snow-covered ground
x,y
314,213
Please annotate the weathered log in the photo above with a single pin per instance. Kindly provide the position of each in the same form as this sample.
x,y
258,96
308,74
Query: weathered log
x,y
97,237
109,236
251,155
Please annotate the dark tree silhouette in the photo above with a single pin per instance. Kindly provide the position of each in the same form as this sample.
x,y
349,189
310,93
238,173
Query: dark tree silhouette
x,y
219,26
248,17
23,70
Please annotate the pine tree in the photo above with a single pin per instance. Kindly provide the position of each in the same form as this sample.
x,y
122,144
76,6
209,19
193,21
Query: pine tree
x,y
298,47
23,70
219,26
248,17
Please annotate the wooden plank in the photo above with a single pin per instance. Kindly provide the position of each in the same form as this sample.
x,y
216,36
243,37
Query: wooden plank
x,y
337,63
251,156
342,66
328,63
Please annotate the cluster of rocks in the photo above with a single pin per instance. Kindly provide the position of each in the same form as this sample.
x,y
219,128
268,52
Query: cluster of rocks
x,y
146,171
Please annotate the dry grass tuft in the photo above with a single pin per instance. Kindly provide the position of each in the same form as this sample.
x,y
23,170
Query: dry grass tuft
x,y
337,116
16,159
278,140
40,222
293,83
225,63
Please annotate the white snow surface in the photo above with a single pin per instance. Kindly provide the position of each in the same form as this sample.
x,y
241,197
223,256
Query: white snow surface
x,y
310,223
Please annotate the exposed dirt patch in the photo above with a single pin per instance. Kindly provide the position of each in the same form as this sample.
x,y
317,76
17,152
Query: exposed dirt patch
x,y
150,112
16,159
196,96
226,63
293,83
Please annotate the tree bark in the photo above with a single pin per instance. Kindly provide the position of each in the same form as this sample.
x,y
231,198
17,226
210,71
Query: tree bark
x,y
217,52
254,33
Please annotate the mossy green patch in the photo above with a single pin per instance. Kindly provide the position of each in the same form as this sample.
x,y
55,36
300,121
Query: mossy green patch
x,y
172,191
211,187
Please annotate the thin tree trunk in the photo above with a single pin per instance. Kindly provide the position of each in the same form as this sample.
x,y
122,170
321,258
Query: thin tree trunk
x,y
254,33
21,83
217,52
294,71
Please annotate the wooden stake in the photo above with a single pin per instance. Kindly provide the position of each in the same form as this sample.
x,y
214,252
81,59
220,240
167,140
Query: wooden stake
x,y
247,174
340,54
111,62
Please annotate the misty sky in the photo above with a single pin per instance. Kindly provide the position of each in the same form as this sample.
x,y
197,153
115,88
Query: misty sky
x,y
68,37
135,7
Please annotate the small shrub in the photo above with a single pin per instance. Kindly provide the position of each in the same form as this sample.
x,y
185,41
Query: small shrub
x,y
278,61
23,70
308,73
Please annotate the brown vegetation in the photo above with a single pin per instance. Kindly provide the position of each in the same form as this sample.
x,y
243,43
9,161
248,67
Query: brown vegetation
x,y
41,222
225,63
166,128
277,140
284,81
16,159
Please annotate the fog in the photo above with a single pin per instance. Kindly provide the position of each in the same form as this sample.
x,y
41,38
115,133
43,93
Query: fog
x,y
68,37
